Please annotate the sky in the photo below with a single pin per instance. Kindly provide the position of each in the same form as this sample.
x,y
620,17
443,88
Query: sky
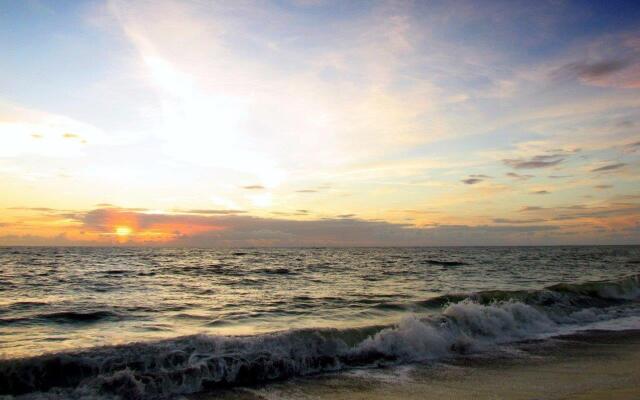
x,y
319,123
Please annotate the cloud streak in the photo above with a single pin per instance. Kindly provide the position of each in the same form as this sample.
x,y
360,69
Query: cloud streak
x,y
475,178
471,181
593,70
519,176
539,161
609,167
208,211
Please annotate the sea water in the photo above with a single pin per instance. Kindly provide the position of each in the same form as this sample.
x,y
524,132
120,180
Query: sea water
x,y
156,322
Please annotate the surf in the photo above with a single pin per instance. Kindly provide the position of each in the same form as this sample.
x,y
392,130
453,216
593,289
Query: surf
x,y
463,324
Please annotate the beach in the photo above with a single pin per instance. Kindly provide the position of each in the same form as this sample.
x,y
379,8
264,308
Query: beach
x,y
596,365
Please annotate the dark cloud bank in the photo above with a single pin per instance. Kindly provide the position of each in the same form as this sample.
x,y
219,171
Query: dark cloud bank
x,y
343,230
234,229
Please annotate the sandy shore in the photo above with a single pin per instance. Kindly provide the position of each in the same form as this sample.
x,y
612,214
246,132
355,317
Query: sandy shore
x,y
595,366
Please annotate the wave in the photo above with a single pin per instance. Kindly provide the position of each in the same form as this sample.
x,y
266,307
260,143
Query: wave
x,y
444,263
277,271
585,294
64,317
197,363
623,289
116,272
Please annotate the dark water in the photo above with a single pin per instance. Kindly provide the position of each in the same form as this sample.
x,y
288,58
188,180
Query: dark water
x,y
203,319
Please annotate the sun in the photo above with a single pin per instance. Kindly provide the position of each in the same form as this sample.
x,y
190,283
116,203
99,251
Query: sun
x,y
123,231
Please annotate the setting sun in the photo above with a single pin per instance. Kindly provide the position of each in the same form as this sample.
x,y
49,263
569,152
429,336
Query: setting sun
x,y
123,231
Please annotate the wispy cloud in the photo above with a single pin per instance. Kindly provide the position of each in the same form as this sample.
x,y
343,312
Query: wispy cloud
x,y
517,221
609,167
612,60
539,161
471,181
519,176
632,147
531,208
475,178
208,211
590,71
615,214
41,209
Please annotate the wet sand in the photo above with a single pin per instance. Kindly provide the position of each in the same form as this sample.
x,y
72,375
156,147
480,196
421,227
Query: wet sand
x,y
583,367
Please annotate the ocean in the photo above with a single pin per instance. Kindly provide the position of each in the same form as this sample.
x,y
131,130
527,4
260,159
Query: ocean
x,y
149,323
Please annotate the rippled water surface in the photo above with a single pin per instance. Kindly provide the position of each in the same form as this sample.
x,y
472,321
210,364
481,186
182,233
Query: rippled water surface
x,y
66,298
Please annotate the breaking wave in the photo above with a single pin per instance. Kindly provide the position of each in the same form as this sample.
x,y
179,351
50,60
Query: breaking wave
x,y
463,324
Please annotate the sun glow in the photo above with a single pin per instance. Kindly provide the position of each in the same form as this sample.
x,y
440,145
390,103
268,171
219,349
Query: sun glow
x,y
123,231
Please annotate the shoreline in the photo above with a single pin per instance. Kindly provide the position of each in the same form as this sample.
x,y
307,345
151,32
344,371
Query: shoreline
x,y
587,366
